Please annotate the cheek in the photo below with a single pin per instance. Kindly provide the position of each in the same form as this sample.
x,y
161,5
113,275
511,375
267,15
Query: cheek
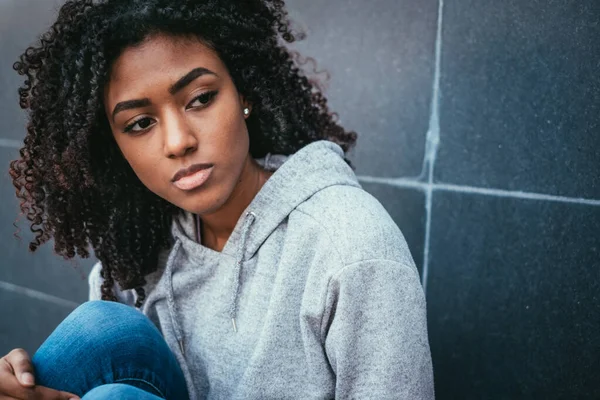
x,y
145,167
229,137
238,146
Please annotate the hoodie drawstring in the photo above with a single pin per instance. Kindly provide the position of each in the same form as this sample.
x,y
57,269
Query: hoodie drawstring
x,y
239,259
171,296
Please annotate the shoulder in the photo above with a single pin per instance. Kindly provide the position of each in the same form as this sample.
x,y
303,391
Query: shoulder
x,y
128,296
357,225
95,281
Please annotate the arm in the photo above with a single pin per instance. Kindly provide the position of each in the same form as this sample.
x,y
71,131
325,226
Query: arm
x,y
375,332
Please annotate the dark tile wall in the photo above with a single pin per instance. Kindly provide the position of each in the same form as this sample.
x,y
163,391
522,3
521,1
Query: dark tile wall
x,y
514,307
26,321
505,233
521,96
380,58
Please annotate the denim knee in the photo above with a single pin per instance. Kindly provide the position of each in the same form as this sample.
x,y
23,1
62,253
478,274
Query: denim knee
x,y
95,336
102,327
109,317
102,343
118,391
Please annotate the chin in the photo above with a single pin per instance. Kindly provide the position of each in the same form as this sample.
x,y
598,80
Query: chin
x,y
202,203
204,210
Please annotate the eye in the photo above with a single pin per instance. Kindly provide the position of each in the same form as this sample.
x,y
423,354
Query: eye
x,y
143,123
203,100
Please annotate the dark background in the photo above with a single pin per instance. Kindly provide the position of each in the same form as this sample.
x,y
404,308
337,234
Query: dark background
x,y
479,127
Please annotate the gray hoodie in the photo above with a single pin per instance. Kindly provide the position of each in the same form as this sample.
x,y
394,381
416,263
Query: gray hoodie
x,y
314,296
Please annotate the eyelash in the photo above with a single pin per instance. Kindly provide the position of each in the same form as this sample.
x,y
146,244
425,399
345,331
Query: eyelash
x,y
209,96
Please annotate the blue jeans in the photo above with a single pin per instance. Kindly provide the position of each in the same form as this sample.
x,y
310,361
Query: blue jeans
x,y
106,350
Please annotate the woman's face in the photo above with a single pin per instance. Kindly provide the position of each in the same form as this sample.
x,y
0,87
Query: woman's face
x,y
178,119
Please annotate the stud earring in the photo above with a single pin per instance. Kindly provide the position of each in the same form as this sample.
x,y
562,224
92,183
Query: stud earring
x,y
246,111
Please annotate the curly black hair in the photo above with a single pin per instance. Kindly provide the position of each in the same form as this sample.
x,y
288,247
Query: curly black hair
x,y
73,183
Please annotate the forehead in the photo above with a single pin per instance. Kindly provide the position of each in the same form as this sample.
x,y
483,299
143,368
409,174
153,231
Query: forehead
x,y
160,58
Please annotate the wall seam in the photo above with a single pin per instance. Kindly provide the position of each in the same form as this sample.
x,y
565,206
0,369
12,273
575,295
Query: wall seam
x,y
36,294
432,144
10,143
446,187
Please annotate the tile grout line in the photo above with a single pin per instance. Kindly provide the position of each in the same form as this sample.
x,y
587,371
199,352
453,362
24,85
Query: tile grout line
x,y
38,295
398,182
432,143
516,194
10,143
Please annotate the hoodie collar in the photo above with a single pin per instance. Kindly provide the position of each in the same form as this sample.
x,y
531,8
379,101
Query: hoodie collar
x,y
313,168
297,177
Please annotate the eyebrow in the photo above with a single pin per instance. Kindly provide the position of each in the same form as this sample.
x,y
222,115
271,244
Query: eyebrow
x,y
176,87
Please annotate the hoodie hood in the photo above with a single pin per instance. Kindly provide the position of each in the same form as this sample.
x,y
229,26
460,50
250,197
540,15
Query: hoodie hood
x,y
313,168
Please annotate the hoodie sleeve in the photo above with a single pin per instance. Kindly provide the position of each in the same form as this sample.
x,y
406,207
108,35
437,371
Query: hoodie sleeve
x,y
95,282
375,332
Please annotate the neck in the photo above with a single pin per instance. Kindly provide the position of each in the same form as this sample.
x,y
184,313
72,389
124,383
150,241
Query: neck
x,y
217,226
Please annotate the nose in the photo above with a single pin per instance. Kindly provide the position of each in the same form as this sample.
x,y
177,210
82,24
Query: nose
x,y
179,137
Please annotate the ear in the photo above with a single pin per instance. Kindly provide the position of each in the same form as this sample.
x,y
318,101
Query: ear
x,y
245,104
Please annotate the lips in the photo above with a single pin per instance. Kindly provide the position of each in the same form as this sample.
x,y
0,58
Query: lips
x,y
192,177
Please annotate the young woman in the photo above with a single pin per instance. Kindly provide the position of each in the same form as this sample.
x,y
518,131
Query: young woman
x,y
239,256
